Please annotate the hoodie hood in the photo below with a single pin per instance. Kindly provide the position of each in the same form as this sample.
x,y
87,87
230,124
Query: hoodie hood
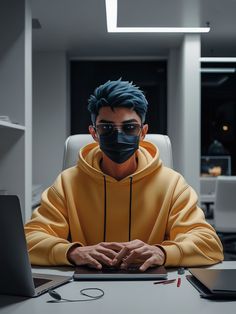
x,y
147,156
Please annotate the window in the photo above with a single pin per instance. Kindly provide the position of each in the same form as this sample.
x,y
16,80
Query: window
x,y
218,111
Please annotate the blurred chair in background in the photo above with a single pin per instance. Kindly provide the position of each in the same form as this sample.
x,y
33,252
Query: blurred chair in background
x,y
207,195
225,213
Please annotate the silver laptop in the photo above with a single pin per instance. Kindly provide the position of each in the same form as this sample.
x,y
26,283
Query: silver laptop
x,y
16,277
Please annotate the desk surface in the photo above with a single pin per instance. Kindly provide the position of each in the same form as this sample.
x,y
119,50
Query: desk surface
x,y
121,297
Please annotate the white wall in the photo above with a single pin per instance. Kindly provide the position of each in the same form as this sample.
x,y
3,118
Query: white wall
x,y
49,115
184,108
28,108
16,100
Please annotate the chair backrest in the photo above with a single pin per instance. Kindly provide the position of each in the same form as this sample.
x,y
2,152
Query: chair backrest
x,y
225,204
75,142
208,185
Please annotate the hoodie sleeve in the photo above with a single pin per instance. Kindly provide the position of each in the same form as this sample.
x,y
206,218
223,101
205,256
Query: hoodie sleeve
x,y
191,241
47,232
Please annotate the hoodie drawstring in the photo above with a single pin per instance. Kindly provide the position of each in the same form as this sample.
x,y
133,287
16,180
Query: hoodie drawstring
x,y
130,205
105,207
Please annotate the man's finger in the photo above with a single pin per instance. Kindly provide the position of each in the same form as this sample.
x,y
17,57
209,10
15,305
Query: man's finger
x,y
92,262
126,250
118,259
137,256
102,258
113,245
148,263
134,245
109,253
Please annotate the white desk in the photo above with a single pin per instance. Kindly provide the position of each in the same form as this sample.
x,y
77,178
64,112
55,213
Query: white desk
x,y
122,297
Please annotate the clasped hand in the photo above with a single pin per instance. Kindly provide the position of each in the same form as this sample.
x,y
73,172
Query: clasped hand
x,y
119,254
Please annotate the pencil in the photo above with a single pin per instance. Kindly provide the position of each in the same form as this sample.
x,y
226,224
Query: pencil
x,y
164,282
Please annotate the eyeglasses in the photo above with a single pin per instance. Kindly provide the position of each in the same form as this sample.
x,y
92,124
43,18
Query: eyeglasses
x,y
127,128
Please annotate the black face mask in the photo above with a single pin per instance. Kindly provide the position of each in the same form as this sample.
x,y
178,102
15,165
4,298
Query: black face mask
x,y
118,146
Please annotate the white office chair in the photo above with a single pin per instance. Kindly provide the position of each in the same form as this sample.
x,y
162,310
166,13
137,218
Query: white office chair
x,y
225,211
75,142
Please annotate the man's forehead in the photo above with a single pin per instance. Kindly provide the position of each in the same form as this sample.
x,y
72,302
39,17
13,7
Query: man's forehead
x,y
118,114
122,122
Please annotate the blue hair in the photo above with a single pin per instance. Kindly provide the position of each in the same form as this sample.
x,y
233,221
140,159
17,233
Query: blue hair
x,y
118,94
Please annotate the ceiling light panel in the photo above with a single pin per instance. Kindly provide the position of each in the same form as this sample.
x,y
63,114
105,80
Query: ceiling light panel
x,y
131,7
218,70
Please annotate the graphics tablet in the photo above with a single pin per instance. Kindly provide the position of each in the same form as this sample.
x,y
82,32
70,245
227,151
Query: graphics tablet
x,y
114,273
214,283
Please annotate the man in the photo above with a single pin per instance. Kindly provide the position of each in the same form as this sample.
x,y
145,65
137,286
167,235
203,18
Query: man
x,y
119,205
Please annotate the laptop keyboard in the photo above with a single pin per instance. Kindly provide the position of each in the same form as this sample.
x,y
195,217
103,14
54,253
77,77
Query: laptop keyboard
x,y
40,281
131,268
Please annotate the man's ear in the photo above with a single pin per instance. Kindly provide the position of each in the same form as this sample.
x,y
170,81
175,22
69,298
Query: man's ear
x,y
144,132
93,132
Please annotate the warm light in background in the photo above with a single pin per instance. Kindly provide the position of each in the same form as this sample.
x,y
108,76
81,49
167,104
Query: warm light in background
x,y
225,128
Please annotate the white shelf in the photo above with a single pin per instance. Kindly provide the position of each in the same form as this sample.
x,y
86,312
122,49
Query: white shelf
x,y
16,74
12,125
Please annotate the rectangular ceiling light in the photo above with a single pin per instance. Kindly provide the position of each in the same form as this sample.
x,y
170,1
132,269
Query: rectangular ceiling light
x,y
218,59
111,14
218,70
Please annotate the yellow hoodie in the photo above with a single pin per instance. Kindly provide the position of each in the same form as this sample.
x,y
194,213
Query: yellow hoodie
x,y
154,204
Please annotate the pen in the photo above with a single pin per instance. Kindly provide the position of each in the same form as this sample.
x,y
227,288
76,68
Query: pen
x,y
164,282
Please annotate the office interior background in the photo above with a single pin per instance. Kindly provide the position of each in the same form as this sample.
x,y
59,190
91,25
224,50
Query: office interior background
x,y
54,53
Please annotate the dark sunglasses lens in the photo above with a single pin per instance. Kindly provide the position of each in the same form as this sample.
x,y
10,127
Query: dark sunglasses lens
x,y
104,129
128,129
131,129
